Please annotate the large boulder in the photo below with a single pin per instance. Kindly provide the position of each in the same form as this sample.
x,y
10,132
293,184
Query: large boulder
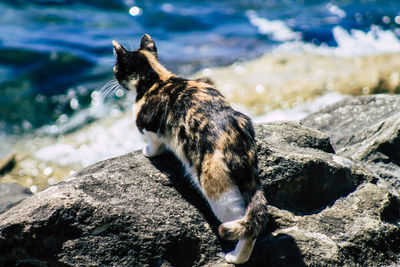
x,y
131,211
300,171
361,229
365,129
121,212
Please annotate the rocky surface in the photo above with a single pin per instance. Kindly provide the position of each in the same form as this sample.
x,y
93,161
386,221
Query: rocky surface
x,y
300,171
365,129
325,209
122,212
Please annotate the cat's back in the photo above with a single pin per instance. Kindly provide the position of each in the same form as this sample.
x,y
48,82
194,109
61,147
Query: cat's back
x,y
198,121
196,114
197,106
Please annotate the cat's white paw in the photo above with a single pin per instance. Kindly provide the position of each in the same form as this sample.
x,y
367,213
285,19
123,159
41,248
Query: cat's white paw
x,y
231,257
151,151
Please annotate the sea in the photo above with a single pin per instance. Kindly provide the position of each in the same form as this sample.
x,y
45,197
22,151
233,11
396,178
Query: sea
x,y
56,56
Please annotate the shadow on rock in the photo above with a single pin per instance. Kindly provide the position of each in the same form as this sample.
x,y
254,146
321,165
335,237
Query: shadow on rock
x,y
169,164
279,250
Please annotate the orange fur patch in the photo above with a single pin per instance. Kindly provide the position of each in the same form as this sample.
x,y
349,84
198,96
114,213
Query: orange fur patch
x,y
197,84
214,178
162,72
137,106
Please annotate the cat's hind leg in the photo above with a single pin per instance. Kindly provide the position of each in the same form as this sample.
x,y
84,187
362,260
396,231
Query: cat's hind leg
x,y
229,208
155,147
223,196
227,203
239,222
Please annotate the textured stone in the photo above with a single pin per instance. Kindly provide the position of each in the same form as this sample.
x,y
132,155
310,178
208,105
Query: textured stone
x,y
122,212
365,129
299,169
132,211
353,231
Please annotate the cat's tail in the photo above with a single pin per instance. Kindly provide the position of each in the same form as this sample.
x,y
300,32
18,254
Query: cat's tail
x,y
251,224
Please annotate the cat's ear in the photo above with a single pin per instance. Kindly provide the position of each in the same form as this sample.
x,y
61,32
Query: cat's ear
x,y
119,49
148,44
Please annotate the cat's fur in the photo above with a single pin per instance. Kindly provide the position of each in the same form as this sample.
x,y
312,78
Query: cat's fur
x,y
215,143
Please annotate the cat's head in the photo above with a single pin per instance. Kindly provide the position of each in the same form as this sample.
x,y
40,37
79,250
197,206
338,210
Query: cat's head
x,y
141,64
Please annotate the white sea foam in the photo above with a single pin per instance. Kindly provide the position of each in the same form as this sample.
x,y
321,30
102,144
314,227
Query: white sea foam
x,y
98,142
350,43
335,10
277,30
112,136
358,42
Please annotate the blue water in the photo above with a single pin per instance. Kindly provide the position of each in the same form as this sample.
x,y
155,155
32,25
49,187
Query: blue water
x,y
55,53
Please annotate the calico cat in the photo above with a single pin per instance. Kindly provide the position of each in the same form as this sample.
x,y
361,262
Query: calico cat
x,y
215,143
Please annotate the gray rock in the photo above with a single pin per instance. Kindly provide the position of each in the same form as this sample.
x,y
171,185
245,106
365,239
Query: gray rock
x,y
355,230
132,211
10,194
343,120
299,171
123,212
365,129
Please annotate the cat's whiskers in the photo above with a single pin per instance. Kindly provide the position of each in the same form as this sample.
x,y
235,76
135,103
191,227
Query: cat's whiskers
x,y
110,93
109,89
106,87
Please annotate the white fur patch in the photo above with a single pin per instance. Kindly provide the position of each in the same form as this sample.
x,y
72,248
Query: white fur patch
x,y
155,146
230,206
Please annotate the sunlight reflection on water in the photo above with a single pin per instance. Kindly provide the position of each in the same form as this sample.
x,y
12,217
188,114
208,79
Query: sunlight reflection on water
x,y
135,11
